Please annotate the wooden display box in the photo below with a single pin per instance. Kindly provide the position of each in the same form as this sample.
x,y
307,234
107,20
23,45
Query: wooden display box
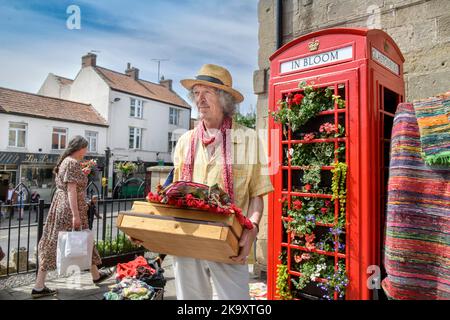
x,y
182,231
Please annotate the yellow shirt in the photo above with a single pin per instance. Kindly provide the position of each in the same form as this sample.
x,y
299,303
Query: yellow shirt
x,y
249,169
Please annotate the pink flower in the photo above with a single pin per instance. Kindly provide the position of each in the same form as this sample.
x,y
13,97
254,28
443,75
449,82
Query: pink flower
x,y
329,128
324,210
305,256
327,203
298,258
309,137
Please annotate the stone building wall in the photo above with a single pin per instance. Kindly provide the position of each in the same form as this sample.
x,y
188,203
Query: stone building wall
x,y
421,28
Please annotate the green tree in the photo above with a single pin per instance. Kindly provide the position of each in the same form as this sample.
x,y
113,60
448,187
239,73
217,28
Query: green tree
x,y
248,120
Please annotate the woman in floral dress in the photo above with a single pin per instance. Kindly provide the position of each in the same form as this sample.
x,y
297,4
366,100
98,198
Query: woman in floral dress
x,y
68,211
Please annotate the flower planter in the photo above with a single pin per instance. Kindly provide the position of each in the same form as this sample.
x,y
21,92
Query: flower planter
x,y
112,261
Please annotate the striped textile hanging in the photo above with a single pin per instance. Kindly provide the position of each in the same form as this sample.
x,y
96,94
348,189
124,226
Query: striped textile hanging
x,y
434,126
417,240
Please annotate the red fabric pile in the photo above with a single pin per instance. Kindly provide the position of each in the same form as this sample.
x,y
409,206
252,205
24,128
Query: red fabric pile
x,y
129,269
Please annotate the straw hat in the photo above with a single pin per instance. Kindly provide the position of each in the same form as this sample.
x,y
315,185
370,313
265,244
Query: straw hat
x,y
214,76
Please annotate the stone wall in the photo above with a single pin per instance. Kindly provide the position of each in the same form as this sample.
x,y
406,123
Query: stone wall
x,y
421,28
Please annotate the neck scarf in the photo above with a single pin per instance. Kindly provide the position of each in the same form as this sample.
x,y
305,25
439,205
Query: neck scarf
x,y
200,134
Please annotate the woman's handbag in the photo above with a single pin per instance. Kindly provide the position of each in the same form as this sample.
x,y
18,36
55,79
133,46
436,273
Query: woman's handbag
x,y
74,251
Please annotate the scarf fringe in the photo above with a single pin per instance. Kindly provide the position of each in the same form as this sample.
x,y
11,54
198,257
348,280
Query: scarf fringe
x,y
438,159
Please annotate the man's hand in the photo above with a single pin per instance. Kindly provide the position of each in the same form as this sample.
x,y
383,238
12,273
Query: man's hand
x,y
246,241
135,241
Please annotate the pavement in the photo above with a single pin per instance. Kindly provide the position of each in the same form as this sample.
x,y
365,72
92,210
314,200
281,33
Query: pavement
x,y
81,287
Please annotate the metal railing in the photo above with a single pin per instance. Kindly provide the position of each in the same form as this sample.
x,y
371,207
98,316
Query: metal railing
x,y
22,224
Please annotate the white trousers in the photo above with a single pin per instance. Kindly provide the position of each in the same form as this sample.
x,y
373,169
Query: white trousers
x,y
193,279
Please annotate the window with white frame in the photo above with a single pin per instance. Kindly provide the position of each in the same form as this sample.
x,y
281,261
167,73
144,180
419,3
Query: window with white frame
x,y
136,108
92,138
17,135
174,116
135,140
59,138
172,141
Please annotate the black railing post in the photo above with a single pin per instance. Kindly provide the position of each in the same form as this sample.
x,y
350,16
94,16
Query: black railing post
x,y
106,173
40,230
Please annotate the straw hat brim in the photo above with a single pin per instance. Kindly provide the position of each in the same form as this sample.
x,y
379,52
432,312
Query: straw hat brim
x,y
190,83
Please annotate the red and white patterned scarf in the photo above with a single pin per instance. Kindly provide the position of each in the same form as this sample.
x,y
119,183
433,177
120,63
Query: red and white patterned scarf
x,y
200,134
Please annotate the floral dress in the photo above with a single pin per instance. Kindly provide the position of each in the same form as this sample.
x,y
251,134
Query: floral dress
x,y
60,215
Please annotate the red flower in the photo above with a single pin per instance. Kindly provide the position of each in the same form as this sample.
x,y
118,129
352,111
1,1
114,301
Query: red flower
x,y
308,187
310,237
297,99
298,258
297,204
324,210
327,203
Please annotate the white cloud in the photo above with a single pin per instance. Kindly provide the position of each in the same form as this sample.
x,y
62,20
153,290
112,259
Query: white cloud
x,y
190,35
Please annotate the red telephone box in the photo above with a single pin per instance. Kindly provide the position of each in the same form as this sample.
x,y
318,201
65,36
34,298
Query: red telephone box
x,y
365,68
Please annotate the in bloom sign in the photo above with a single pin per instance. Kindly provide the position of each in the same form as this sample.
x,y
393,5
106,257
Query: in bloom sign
x,y
317,59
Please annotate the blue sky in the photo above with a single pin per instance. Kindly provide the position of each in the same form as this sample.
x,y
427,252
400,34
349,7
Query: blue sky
x,y
35,41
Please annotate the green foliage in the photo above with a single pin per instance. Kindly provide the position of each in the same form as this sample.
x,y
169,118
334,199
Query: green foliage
x,y
248,120
312,176
304,220
126,168
310,270
308,154
121,244
337,281
282,284
338,185
315,100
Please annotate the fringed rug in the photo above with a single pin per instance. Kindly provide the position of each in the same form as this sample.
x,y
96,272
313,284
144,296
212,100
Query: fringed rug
x,y
417,247
434,126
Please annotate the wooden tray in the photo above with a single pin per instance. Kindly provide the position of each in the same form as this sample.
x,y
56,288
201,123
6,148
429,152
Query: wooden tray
x,y
182,232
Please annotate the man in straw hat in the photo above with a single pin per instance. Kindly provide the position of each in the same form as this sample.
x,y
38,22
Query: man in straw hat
x,y
220,151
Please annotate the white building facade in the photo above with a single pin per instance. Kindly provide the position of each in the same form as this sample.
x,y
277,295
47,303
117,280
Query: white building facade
x,y
145,119
36,131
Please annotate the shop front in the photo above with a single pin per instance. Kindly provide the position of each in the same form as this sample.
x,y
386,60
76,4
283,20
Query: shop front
x,y
35,170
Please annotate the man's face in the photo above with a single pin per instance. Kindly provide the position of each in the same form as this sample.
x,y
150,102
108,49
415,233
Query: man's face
x,y
207,102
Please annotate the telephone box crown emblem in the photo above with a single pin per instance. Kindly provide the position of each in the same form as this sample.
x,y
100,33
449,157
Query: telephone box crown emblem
x,y
314,45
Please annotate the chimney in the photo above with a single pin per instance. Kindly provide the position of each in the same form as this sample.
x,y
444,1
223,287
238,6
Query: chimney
x,y
132,72
89,60
166,83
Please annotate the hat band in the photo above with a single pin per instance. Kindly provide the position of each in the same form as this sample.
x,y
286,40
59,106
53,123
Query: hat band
x,y
209,79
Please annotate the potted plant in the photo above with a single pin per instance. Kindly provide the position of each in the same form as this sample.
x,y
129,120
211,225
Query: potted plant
x,y
118,250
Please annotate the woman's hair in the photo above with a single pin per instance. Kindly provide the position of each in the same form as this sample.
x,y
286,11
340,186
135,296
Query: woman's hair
x,y
77,143
227,101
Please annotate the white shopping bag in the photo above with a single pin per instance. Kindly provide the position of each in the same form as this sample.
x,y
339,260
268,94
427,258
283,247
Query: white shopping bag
x,y
74,251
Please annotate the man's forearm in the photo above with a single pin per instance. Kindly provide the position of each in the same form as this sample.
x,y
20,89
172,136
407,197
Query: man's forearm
x,y
255,209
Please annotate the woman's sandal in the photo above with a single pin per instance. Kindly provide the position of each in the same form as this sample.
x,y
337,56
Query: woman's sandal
x,y
103,276
46,292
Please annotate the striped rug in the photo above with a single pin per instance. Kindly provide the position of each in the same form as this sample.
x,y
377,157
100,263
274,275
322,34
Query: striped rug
x,y
417,241
434,126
